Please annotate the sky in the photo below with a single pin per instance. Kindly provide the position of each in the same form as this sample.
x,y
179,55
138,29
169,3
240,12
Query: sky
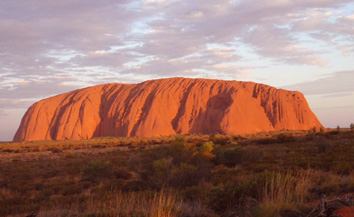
x,y
51,47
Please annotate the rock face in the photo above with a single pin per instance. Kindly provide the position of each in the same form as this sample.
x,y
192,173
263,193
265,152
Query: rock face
x,y
166,107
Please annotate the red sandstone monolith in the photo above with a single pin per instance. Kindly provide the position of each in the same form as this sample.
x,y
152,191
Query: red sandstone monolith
x,y
166,107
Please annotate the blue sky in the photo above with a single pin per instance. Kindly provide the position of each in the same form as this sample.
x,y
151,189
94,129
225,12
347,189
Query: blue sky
x,y
51,47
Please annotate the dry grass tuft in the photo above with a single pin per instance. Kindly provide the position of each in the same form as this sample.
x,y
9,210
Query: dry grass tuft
x,y
119,204
284,192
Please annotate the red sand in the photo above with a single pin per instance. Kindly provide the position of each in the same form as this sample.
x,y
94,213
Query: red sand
x,y
345,212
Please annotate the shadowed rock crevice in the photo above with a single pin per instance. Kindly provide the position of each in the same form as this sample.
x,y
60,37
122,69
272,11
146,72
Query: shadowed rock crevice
x,y
58,116
181,109
209,121
143,114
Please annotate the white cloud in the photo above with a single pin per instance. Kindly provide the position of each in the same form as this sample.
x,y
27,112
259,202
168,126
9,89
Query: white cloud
x,y
154,1
171,29
73,36
336,83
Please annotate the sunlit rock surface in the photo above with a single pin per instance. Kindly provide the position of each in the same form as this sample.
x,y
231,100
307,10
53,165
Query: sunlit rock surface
x,y
166,107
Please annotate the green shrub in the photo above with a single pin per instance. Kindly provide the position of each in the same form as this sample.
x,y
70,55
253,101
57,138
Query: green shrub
x,y
322,148
97,170
325,183
230,156
265,141
197,193
122,173
178,165
179,140
233,156
162,170
285,137
233,195
184,175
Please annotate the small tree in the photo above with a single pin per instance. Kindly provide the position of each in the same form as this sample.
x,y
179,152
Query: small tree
x,y
338,128
206,149
352,126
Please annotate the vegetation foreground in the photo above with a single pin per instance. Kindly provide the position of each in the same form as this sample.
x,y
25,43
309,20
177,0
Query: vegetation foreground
x,y
279,174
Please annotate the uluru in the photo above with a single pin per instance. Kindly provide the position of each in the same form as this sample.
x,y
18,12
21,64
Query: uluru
x,y
166,107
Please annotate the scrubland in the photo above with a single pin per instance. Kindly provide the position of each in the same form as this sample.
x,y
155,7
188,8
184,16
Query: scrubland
x,y
264,175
